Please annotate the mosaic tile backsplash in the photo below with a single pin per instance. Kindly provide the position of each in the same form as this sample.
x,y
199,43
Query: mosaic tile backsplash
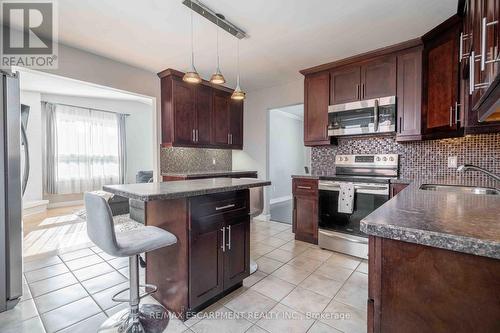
x,y
175,159
421,159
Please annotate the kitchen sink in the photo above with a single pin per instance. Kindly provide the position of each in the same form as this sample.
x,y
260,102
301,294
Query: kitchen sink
x,y
460,189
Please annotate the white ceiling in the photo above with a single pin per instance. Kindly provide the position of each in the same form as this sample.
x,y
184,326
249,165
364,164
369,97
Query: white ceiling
x,y
52,84
284,35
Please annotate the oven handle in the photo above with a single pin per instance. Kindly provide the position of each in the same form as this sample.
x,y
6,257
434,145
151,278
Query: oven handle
x,y
342,237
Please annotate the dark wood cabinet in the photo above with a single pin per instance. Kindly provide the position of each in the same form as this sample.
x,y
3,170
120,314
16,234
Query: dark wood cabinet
x,y
440,79
316,96
237,252
378,78
221,118
409,95
422,289
345,85
305,209
199,115
235,124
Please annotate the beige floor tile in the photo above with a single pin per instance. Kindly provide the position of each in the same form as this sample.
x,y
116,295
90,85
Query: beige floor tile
x,y
319,327
57,282
344,260
321,284
224,321
306,301
317,254
280,255
345,318
253,279
256,329
261,249
355,291
229,297
273,287
204,313
46,272
285,235
284,319
251,304
22,311
335,272
363,267
273,241
292,274
268,265
306,263
33,325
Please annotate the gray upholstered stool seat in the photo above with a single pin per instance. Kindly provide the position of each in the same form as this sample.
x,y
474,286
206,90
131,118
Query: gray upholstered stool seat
x,y
131,240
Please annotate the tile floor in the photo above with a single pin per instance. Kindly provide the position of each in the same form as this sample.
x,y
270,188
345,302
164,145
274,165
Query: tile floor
x,y
298,288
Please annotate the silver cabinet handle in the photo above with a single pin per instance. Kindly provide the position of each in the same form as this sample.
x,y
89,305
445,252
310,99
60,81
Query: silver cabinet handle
x,y
451,116
375,116
229,237
193,135
471,72
357,92
196,135
362,91
303,187
225,207
484,35
457,114
223,245
228,139
400,124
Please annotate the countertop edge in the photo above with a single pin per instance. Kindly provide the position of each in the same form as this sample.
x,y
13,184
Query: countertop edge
x,y
206,173
185,194
450,242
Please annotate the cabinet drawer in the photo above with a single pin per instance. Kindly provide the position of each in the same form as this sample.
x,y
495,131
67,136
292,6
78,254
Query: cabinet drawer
x,y
220,203
305,186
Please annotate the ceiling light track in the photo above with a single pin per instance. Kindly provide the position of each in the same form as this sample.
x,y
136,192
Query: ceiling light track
x,y
215,18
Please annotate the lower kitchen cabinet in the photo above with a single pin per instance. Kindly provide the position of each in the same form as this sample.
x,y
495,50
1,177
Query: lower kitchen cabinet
x,y
414,288
305,209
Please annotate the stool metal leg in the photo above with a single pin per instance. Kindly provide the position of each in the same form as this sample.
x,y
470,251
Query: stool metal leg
x,y
148,318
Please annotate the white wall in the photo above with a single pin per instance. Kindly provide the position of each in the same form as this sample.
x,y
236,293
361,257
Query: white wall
x,y
34,133
140,141
286,152
257,105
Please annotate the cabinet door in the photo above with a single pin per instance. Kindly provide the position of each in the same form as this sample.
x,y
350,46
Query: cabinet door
x,y
237,251
184,112
316,90
305,215
491,9
378,78
206,259
221,119
236,124
204,105
345,85
409,95
441,82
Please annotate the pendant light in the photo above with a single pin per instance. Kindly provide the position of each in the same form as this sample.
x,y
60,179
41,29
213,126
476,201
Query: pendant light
x,y
192,75
238,94
217,77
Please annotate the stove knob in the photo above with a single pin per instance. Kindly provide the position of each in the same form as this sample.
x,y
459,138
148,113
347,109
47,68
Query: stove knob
x,y
384,159
391,159
378,159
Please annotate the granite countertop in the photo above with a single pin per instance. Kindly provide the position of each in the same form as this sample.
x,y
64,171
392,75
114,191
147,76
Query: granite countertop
x,y
189,174
468,223
182,188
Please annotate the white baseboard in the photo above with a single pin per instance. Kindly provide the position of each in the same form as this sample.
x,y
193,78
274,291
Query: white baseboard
x,y
34,207
280,199
263,217
65,204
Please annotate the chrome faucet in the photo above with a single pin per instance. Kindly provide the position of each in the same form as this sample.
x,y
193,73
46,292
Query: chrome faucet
x,y
467,167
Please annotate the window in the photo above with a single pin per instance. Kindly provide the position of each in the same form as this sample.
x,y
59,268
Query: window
x,y
87,149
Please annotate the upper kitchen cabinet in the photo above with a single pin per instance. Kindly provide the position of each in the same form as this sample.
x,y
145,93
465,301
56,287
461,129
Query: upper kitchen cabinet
x,y
480,77
316,97
409,95
372,79
440,113
199,115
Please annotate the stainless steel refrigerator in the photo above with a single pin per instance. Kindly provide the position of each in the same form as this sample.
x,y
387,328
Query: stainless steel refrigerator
x,y
12,137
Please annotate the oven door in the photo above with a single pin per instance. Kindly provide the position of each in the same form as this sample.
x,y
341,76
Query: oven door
x,y
367,198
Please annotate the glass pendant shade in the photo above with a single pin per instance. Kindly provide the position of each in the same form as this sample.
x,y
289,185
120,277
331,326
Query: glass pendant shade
x,y
238,94
218,78
192,77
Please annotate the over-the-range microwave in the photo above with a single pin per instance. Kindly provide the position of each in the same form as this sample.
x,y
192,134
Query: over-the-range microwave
x,y
370,116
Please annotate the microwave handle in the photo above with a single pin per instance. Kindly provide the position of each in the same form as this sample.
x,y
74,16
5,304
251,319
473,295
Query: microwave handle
x,y
375,116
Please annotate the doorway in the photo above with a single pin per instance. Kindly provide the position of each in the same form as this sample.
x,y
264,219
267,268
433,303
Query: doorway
x,y
287,156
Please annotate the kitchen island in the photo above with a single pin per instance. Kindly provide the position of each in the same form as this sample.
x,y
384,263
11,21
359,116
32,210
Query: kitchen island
x,y
434,260
210,218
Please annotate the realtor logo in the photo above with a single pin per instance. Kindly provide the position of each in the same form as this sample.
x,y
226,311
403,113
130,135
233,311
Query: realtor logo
x,y
29,34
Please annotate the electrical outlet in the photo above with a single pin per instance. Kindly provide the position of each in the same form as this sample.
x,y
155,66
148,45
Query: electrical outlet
x,y
452,162
213,161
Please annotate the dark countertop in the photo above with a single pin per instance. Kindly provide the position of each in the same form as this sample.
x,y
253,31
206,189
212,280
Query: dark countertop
x,y
190,174
182,188
468,223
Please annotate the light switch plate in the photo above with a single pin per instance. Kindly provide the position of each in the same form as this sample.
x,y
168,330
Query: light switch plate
x,y
452,162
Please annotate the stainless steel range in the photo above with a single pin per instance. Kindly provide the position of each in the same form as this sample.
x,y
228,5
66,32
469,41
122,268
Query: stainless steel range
x,y
360,185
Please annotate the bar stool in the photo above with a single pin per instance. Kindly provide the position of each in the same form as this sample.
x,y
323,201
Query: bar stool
x,y
149,318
